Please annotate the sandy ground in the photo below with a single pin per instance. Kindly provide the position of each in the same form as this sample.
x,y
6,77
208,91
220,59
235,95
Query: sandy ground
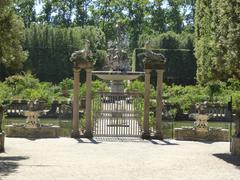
x,y
113,159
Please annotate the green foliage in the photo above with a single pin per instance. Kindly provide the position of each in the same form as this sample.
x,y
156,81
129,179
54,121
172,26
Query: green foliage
x,y
11,37
138,86
217,40
167,40
27,87
51,47
183,97
19,83
44,91
180,65
66,84
97,86
5,93
233,84
214,88
26,10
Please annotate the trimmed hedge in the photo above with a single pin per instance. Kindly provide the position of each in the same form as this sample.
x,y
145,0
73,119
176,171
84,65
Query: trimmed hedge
x,y
180,67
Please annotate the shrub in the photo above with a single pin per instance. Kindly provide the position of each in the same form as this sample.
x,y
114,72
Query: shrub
x,y
20,82
97,86
5,93
66,87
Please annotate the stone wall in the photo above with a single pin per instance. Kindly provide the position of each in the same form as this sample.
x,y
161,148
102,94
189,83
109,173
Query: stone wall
x,y
192,135
41,132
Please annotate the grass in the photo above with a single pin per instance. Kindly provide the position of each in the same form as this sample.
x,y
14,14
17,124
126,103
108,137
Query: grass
x,y
66,125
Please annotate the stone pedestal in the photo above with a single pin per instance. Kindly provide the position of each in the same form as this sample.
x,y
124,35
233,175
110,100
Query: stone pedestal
x,y
235,146
117,86
2,136
39,132
75,126
146,133
190,134
88,132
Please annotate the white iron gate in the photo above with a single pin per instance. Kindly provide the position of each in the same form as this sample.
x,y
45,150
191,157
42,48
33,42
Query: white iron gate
x,y
117,114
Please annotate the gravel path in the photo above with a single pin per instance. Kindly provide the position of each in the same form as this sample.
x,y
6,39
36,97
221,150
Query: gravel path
x,y
113,159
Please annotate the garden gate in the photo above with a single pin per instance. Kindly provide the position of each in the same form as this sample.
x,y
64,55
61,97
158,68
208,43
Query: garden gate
x,y
117,114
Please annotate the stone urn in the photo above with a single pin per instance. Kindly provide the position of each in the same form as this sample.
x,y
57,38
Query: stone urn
x,y
32,128
35,109
200,130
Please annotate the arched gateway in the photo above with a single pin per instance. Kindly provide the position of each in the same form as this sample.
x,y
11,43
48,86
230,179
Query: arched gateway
x,y
117,113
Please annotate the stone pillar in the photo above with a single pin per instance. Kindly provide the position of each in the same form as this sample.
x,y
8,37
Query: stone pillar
x,y
88,133
75,126
146,133
159,134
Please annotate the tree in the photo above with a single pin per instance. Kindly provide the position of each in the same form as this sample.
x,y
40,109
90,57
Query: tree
x,y
51,47
46,14
174,17
25,9
81,13
11,37
217,28
157,16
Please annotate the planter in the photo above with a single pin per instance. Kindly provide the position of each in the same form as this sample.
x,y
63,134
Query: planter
x,y
40,132
2,136
235,146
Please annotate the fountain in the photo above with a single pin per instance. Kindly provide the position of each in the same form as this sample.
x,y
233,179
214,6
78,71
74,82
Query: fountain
x,y
33,128
200,130
117,67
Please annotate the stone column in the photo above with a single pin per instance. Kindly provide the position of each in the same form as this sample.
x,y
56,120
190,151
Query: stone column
x,y
146,133
159,134
75,126
88,132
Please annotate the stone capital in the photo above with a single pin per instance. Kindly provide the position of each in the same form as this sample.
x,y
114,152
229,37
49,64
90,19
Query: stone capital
x,y
76,69
147,71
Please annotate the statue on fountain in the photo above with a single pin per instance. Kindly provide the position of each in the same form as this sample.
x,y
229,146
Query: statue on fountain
x,y
201,117
84,56
35,109
117,58
151,57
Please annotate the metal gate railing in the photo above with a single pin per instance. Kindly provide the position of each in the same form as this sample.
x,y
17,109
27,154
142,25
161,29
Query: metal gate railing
x,y
117,114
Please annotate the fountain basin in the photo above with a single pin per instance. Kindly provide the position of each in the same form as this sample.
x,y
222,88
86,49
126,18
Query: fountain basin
x,y
37,132
117,75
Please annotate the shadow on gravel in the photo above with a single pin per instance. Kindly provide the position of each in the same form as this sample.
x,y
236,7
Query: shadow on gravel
x,y
235,160
85,140
161,142
98,140
118,139
9,164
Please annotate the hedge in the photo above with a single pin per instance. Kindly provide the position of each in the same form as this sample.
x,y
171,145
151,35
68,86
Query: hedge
x,y
180,66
